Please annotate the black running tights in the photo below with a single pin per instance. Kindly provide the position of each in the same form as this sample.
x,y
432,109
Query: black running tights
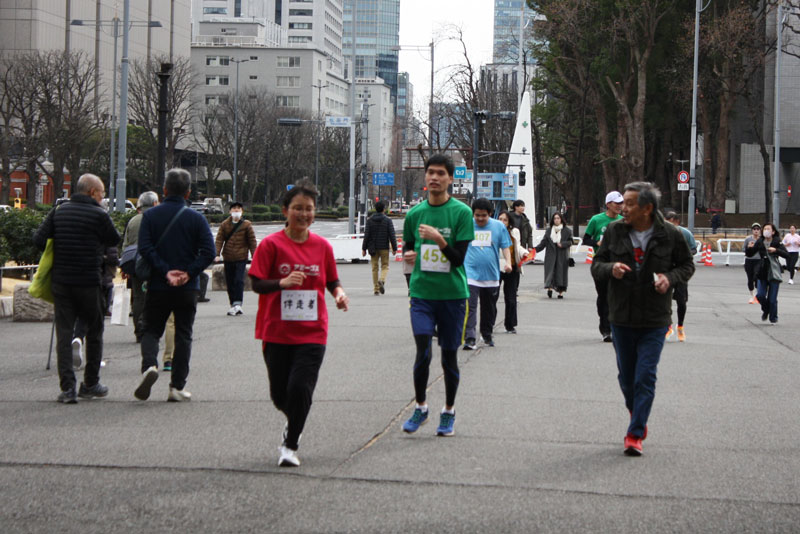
x,y
422,369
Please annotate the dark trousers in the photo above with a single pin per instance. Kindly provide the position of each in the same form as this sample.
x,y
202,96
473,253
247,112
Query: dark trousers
x,y
768,298
137,305
488,304
791,261
510,282
234,280
751,267
638,354
293,371
602,306
73,303
157,307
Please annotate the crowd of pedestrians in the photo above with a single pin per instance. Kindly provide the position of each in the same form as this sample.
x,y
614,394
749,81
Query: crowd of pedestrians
x,y
456,258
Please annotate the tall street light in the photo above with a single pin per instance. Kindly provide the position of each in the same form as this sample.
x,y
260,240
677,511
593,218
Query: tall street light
x,y
236,127
114,23
776,173
319,89
693,147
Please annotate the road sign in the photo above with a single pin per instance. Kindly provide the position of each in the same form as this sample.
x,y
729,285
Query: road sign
x,y
461,173
683,178
683,187
382,178
337,122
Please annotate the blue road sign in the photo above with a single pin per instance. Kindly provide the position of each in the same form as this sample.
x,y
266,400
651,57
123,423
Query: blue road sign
x,y
461,173
382,178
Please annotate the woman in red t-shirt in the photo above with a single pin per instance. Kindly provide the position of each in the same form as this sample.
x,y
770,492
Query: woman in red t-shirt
x,y
290,271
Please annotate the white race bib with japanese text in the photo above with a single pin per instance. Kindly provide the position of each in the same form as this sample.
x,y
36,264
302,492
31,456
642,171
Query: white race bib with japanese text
x,y
482,239
299,305
433,260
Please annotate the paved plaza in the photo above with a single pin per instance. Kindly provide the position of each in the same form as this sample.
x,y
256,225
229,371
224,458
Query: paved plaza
x,y
538,443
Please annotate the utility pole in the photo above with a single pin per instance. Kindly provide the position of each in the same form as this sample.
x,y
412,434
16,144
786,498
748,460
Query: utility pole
x,y
123,111
693,145
163,112
319,119
362,216
351,205
776,173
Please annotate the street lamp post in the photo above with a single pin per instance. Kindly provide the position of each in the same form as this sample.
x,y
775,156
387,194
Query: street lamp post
x,y
693,146
316,142
114,23
776,173
236,127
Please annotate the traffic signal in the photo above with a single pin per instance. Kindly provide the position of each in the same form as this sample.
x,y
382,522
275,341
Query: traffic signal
x,y
377,199
521,178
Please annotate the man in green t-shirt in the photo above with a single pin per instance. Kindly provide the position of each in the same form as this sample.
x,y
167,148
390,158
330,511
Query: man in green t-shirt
x,y
592,238
436,235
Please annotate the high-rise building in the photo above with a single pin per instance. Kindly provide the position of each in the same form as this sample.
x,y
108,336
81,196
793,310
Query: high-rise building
x,y
507,13
377,42
316,23
405,97
373,98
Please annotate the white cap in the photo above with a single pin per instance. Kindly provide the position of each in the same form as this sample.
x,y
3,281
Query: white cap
x,y
613,196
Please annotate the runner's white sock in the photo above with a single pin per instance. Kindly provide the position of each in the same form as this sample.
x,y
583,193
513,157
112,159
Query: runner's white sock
x,y
451,412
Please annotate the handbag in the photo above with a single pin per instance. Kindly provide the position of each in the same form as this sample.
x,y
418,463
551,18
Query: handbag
x,y
774,273
41,287
144,271
127,262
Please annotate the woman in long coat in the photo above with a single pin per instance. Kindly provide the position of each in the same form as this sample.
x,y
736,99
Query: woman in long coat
x,y
556,241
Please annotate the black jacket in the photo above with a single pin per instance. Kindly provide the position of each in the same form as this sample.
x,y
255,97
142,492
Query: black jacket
x,y
379,234
633,300
188,246
81,232
759,251
523,224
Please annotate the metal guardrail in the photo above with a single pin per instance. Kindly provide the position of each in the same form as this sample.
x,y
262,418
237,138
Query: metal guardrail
x,y
727,252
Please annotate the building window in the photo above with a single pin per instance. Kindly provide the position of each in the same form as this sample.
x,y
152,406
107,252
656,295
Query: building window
x,y
252,77
215,100
215,11
301,12
288,81
290,61
217,61
299,38
253,58
300,26
216,80
288,101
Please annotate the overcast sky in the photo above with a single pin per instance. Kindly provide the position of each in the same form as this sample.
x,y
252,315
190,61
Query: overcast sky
x,y
421,20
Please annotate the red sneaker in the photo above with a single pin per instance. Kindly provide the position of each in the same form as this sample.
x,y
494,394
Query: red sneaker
x,y
632,445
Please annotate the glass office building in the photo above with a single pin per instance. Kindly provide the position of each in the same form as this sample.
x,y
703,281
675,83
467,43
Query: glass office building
x,y
378,28
506,29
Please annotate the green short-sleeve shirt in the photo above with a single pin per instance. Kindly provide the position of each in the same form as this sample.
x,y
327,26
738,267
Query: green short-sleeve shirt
x,y
435,278
598,224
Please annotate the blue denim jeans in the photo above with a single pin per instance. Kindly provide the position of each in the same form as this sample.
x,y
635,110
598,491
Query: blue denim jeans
x,y
768,298
638,353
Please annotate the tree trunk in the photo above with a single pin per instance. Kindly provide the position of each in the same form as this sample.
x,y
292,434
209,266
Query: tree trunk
x,y
705,124
33,180
6,188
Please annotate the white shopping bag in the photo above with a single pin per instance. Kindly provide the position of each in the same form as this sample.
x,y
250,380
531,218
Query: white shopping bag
x,y
121,307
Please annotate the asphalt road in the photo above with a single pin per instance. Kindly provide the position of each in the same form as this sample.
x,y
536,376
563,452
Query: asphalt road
x,y
538,444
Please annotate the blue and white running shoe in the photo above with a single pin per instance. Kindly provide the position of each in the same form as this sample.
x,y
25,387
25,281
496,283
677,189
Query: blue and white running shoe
x,y
417,419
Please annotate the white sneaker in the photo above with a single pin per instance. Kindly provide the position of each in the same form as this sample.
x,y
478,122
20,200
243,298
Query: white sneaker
x,y
239,310
791,281
288,457
149,378
232,311
77,353
178,395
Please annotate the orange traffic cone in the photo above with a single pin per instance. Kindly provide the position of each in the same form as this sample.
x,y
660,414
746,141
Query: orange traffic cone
x,y
589,255
399,255
707,261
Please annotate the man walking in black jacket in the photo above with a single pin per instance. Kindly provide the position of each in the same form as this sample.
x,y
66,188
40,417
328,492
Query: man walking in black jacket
x,y
176,261
81,231
378,237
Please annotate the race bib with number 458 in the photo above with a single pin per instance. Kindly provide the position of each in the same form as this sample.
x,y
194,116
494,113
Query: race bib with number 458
x,y
433,260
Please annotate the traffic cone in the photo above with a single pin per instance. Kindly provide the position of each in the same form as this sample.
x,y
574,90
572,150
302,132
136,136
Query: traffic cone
x,y
399,255
589,255
707,261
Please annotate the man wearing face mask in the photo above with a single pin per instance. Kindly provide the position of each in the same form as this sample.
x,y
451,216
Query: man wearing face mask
x,y
235,238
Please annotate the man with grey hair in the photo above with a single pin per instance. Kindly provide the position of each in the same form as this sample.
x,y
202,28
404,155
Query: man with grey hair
x,y
177,244
641,259
81,230
147,200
